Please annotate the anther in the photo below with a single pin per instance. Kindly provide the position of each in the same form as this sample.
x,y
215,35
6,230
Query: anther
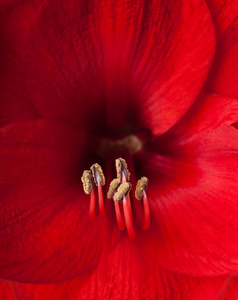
x,y
98,175
99,180
140,193
140,187
124,175
122,191
121,167
113,188
87,180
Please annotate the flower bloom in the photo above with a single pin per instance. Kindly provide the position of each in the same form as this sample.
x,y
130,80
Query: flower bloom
x,y
150,84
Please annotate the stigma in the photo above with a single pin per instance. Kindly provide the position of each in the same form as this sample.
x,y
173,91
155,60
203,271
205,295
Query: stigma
x,y
120,192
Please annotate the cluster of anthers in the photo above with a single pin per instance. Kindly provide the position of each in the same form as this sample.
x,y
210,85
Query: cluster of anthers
x,y
119,191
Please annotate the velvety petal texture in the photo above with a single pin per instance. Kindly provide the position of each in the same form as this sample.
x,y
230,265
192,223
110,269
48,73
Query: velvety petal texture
x,y
223,78
7,291
101,60
16,18
193,190
126,274
45,231
230,289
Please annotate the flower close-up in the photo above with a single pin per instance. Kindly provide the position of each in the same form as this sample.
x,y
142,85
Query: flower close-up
x,y
118,149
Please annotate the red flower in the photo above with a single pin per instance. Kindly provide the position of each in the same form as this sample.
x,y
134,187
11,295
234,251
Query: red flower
x,y
78,78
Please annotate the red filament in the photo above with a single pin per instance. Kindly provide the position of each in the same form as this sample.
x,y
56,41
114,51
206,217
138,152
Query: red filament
x,y
101,201
146,224
92,205
128,219
128,201
120,221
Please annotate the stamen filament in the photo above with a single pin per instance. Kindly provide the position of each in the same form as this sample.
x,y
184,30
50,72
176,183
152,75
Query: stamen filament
x,y
120,221
146,224
128,200
92,205
101,201
128,219
127,196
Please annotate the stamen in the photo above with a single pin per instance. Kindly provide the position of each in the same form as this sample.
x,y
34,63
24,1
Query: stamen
x,y
141,194
99,180
123,194
140,187
98,175
111,192
121,167
87,180
119,190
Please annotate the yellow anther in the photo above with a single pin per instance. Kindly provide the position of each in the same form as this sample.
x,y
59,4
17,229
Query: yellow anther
x,y
121,167
98,175
87,180
122,191
141,187
113,187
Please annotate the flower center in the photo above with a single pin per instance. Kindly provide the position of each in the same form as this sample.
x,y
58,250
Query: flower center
x,y
119,191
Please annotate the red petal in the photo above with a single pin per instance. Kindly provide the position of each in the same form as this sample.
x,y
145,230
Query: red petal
x,y
193,191
7,291
230,290
223,78
45,233
127,274
16,18
96,60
